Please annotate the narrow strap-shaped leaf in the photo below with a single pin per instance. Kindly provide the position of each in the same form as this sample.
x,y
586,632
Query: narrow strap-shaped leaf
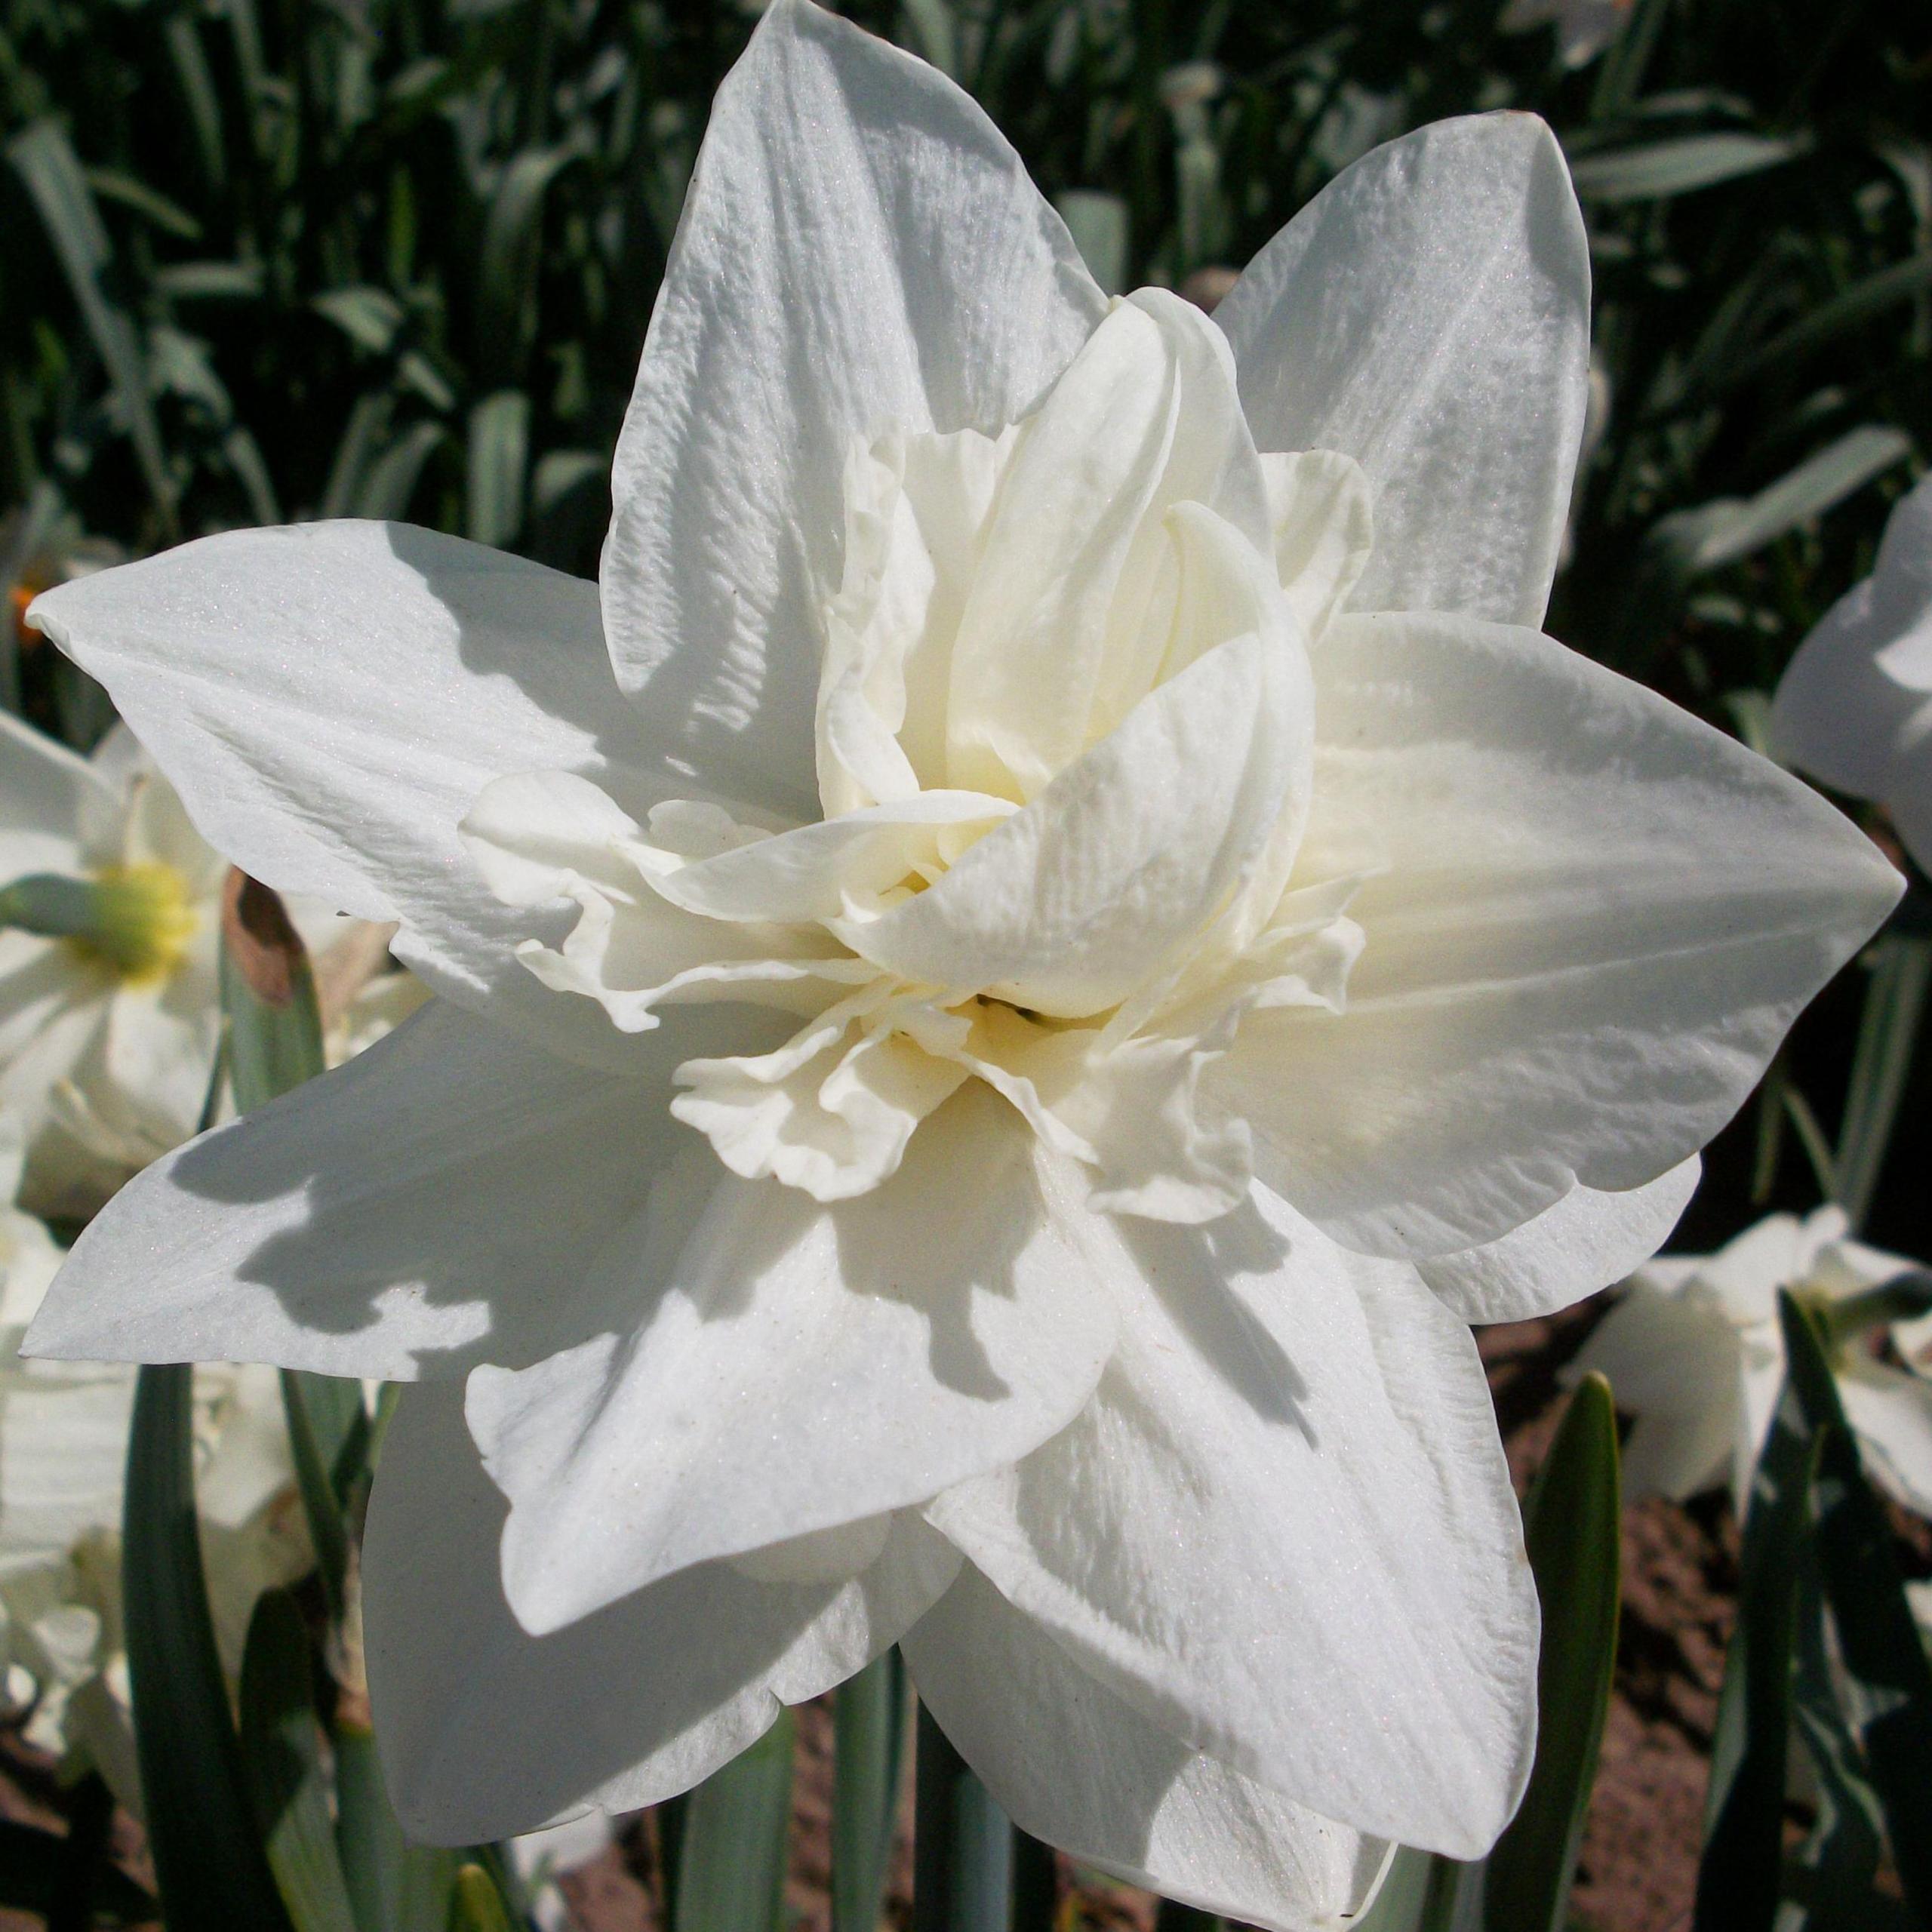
x,y
1174,1916
962,1842
476,1905
1422,1891
328,1534
1575,1546
736,1833
83,1858
1887,1040
393,1886
1883,1655
282,1760
208,1858
1832,1886
1737,1877
869,1728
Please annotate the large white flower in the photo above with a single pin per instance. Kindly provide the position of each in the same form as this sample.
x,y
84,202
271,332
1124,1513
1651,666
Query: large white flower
x,y
1695,1352
1855,707
1149,937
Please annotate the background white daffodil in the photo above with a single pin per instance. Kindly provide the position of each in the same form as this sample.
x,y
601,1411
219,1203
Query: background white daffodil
x,y
1069,801
107,1037
1694,1351
1855,707
63,1453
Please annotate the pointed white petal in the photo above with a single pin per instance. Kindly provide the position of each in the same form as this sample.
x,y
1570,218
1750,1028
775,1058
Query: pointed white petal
x,y
1583,1243
46,793
432,1204
1071,1763
1283,1530
1429,314
1857,700
1891,1412
770,1367
486,1730
860,250
331,698
1589,919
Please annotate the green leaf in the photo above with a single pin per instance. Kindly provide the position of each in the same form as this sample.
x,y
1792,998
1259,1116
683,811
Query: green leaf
x,y
393,1886
389,486
1098,223
512,233
267,991
736,1830
1887,1042
369,317
1036,1886
327,1533
962,1842
208,1858
282,1755
476,1905
1660,169
109,184
870,1722
1737,1876
1173,1916
45,159
1883,1653
1575,1546
32,1863
499,454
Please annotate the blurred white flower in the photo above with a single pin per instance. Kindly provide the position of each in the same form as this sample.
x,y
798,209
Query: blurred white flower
x,y
63,1452
108,1034
1150,936
1694,1350
1854,709
1584,28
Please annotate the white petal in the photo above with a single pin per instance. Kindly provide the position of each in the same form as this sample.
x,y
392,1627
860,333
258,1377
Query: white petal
x,y
1589,919
1103,883
486,1730
860,250
1321,510
1428,314
1066,627
332,697
1283,1530
429,1205
45,792
1583,1243
1891,1413
769,1367
1857,698
1071,1763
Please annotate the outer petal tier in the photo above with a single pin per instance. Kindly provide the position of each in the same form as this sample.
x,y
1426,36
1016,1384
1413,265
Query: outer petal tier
x,y
771,1367
1429,314
431,1204
333,697
1283,1530
1144,1807
1585,1241
860,250
487,1731
1589,919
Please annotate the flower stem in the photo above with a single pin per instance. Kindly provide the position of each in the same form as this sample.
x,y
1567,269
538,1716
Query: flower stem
x,y
962,1844
1894,1004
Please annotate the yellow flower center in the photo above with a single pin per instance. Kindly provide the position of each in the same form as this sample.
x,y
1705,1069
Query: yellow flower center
x,y
142,919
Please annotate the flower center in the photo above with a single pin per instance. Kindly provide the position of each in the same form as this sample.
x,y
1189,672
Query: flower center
x,y
136,920
1063,734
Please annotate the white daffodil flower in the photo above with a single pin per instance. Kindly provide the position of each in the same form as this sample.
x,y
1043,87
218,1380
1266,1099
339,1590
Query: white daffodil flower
x,y
1010,982
109,1004
63,1454
1694,1351
1854,709
107,1035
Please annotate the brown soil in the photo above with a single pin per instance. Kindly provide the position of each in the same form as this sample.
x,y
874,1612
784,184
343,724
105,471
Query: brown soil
x,y
1638,1864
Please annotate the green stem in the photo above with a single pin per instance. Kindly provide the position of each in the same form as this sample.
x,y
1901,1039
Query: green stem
x,y
1894,1004
962,1845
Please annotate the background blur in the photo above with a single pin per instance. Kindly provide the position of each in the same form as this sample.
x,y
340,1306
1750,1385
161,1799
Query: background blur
x,y
262,260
